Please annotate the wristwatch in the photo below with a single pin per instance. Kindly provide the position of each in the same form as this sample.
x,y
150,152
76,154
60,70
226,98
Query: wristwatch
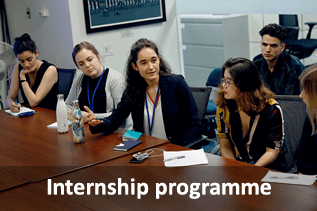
x,y
22,81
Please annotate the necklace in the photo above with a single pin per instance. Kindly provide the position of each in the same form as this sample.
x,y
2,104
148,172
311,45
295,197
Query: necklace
x,y
152,90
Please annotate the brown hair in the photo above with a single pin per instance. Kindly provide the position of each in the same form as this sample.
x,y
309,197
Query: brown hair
x,y
252,92
83,45
309,85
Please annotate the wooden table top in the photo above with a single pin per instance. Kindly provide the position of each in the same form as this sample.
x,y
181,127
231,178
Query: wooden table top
x,y
32,150
37,153
218,170
10,180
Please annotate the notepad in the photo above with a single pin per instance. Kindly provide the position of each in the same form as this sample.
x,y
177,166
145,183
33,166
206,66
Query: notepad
x,y
296,179
24,111
127,145
129,134
191,157
54,125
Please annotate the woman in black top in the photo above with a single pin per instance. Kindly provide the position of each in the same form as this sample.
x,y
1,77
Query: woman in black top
x,y
161,103
38,79
307,150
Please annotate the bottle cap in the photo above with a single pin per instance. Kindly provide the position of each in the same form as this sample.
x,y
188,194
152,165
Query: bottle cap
x,y
60,97
75,103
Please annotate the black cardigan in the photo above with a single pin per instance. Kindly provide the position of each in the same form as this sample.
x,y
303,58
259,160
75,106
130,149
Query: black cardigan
x,y
179,110
307,151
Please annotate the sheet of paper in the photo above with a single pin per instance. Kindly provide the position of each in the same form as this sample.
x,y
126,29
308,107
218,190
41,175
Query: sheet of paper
x,y
192,157
54,125
288,178
22,111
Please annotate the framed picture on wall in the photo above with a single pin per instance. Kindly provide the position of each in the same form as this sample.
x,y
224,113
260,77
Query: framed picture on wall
x,y
101,15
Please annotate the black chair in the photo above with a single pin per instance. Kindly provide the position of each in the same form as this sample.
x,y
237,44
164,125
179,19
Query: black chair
x,y
65,79
294,113
201,96
213,81
1,103
301,48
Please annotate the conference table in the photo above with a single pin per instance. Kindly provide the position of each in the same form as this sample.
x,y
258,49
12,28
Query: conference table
x,y
31,154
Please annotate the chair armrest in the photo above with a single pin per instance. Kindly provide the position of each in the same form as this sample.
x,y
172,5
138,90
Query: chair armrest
x,y
216,150
311,25
197,140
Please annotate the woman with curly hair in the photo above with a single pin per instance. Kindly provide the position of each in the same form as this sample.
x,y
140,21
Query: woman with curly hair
x,y
249,120
161,103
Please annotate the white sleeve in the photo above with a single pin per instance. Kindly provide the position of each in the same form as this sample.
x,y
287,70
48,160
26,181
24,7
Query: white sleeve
x,y
75,89
115,86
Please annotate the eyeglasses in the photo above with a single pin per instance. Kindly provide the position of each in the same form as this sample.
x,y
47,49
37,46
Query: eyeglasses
x,y
226,82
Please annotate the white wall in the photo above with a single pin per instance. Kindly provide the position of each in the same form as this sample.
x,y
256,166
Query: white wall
x,y
52,34
307,7
163,34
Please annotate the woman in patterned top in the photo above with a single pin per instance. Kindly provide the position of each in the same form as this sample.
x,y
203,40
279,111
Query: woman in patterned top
x,y
249,120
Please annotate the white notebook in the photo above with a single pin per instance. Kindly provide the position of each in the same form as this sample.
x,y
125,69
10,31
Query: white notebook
x,y
24,111
288,178
187,158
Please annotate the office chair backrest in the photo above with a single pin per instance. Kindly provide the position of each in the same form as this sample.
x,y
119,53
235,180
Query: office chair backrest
x,y
201,96
301,48
294,113
288,20
1,103
65,79
214,78
290,23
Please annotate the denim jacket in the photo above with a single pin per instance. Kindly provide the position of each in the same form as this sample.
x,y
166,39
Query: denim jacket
x,y
285,73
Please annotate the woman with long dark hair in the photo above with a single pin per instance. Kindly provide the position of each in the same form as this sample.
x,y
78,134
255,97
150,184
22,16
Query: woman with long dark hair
x,y
250,121
37,79
161,103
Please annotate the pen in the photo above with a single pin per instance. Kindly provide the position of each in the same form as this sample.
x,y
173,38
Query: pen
x,y
289,177
174,158
16,103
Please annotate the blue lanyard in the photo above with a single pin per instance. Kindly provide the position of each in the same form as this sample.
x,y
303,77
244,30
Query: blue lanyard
x,y
147,110
91,104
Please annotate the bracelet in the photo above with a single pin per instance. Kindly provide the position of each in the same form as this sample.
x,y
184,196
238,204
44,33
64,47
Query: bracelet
x,y
22,81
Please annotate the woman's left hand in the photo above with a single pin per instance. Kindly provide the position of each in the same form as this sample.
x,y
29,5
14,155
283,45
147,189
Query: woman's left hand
x,y
91,119
24,72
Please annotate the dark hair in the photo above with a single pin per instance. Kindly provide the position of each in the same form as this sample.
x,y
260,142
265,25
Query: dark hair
x,y
274,30
136,84
246,77
24,43
81,46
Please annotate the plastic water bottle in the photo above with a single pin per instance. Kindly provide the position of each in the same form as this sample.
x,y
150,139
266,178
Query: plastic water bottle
x,y
61,115
78,123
